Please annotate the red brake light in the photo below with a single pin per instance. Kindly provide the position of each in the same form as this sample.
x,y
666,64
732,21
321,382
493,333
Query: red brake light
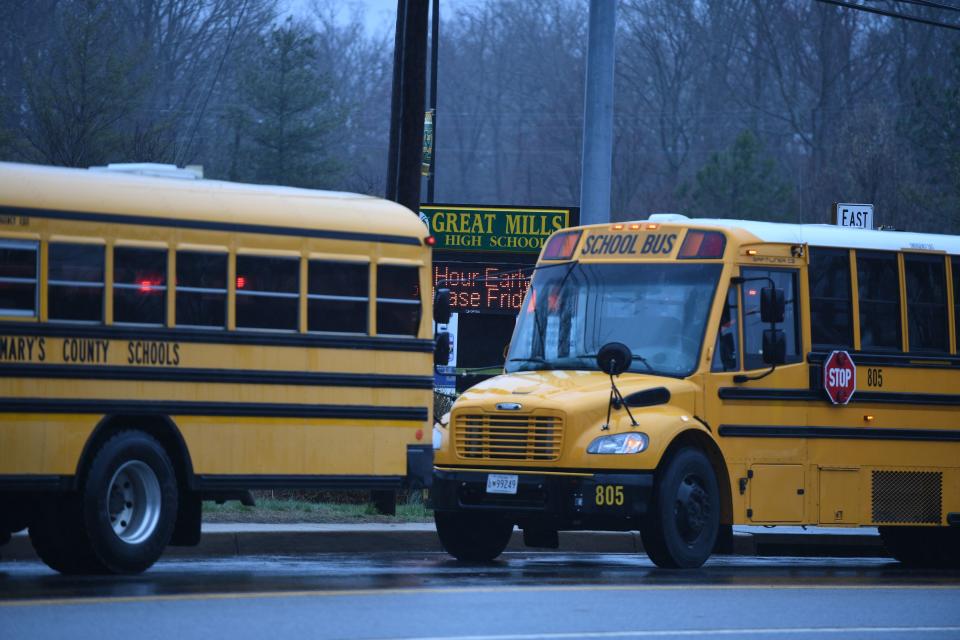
x,y
429,241
702,244
241,282
562,246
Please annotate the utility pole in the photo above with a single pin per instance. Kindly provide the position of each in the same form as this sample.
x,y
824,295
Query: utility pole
x,y
597,158
434,55
406,106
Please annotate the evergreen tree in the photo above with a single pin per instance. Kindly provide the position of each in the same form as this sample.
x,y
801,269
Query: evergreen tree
x,y
290,117
740,183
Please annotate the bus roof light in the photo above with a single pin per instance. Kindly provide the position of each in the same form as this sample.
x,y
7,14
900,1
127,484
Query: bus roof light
x,y
617,227
562,245
702,245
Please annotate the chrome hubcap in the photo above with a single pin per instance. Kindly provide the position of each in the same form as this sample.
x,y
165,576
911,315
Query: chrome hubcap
x,y
133,502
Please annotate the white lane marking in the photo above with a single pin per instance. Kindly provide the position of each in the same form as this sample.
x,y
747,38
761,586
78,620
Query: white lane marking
x,y
681,633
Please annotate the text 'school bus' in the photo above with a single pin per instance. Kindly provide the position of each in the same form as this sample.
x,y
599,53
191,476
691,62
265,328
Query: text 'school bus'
x,y
759,374
166,341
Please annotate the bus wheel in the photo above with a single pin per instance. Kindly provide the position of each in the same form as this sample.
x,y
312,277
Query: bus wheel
x,y
682,524
472,537
129,502
59,538
929,547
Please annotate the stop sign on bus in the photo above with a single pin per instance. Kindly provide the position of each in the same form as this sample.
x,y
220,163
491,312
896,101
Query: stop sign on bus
x,y
839,377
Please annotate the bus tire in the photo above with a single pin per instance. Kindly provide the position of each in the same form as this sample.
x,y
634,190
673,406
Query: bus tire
x,y
681,526
129,499
927,547
472,537
59,538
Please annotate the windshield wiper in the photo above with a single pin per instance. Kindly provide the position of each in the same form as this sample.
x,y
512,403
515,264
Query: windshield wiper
x,y
533,359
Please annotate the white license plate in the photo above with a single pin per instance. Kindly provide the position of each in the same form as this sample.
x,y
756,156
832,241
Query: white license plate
x,y
501,483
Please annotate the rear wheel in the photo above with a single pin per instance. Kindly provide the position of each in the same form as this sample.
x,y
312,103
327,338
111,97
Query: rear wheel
x,y
929,547
129,502
681,527
472,537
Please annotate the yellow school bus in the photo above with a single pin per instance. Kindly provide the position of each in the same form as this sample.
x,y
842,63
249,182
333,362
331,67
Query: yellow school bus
x,y
168,340
678,376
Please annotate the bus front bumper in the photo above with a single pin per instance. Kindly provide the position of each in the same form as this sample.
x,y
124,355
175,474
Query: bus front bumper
x,y
605,501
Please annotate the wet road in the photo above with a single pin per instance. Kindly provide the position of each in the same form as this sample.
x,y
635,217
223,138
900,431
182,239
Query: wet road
x,y
525,596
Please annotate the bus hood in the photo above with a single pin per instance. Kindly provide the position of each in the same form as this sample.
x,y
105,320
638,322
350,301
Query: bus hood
x,y
576,391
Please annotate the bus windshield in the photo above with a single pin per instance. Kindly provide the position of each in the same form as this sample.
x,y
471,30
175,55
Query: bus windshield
x,y
658,310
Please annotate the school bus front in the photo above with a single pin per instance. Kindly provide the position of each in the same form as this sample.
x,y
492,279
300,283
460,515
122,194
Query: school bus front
x,y
555,442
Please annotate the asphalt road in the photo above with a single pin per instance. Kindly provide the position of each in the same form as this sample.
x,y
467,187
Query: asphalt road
x,y
525,596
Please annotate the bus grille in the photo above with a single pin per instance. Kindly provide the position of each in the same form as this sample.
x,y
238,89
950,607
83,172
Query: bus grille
x,y
907,496
508,437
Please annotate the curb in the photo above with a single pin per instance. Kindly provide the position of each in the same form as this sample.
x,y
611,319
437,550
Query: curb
x,y
228,541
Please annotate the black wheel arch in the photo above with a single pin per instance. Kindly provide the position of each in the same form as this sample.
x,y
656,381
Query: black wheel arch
x,y
162,428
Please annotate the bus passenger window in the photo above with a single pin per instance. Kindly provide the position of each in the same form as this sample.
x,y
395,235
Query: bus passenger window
x,y
139,285
753,328
726,353
201,289
926,280
878,281
398,300
831,302
75,282
18,278
956,297
268,293
338,295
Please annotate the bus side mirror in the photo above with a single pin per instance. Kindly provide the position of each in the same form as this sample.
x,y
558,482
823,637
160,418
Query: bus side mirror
x,y
441,349
441,306
774,346
772,305
614,358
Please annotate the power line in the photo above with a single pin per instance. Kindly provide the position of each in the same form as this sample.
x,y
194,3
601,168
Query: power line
x,y
891,14
929,3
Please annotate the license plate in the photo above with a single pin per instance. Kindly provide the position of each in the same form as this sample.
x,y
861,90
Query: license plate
x,y
501,483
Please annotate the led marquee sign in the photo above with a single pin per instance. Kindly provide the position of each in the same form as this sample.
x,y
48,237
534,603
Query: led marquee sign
x,y
483,287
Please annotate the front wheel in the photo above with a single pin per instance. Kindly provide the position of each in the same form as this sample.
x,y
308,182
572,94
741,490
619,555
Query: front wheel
x,y
681,527
472,537
129,502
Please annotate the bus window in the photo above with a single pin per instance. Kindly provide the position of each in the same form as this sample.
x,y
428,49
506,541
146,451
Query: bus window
x,y
268,292
927,320
752,327
139,285
726,354
201,289
398,300
75,282
956,297
337,296
831,302
878,280
18,278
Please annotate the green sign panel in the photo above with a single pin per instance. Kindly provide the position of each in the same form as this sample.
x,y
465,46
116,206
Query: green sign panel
x,y
483,228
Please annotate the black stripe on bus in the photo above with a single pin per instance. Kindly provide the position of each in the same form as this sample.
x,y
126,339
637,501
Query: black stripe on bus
x,y
232,409
231,376
859,397
839,433
209,225
35,482
214,483
255,338
903,360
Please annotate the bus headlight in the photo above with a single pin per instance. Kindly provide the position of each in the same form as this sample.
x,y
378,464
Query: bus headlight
x,y
437,437
632,442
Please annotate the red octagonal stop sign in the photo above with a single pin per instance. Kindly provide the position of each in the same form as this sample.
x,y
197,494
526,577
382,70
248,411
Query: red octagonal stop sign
x,y
839,377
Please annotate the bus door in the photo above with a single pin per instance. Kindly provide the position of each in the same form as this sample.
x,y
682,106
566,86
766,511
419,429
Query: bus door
x,y
753,406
